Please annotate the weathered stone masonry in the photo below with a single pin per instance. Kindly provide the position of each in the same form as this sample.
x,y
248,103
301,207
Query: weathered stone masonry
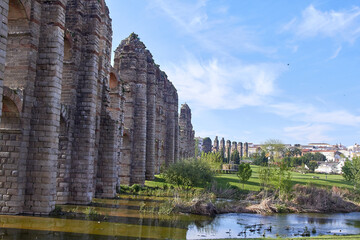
x,y
228,148
57,137
187,134
71,126
4,8
150,113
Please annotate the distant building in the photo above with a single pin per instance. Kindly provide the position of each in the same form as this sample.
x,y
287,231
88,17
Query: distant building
x,y
330,167
354,151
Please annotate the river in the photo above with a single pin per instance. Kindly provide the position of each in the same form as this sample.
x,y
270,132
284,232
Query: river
x,y
124,221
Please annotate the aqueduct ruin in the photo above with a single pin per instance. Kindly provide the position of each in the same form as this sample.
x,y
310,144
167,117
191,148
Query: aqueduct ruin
x,y
73,127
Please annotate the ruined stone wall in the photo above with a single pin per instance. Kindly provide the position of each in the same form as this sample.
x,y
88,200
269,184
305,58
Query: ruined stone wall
x,y
171,103
71,126
160,128
131,65
215,147
228,149
117,112
206,146
4,9
151,120
61,140
246,150
240,149
222,146
186,137
233,147
151,117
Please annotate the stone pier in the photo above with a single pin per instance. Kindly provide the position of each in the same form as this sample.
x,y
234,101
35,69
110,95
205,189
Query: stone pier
x,y
187,134
71,126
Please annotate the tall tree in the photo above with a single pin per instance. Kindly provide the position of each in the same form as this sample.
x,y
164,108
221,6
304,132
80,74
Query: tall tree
x,y
244,173
235,157
351,172
274,147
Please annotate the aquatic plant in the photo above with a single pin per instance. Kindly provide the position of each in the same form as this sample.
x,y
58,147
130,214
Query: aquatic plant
x,y
91,214
57,211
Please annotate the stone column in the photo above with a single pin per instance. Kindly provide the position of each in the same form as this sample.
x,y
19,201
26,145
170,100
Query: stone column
x,y
45,122
139,147
159,120
131,64
87,121
177,128
186,133
228,150
240,149
246,149
233,146
151,117
222,146
4,8
216,145
206,146
170,122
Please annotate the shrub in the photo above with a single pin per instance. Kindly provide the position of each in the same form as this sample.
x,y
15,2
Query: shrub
x,y
244,172
91,214
188,174
135,188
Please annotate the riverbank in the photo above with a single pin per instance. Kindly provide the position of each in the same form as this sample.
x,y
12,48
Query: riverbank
x,y
304,199
311,192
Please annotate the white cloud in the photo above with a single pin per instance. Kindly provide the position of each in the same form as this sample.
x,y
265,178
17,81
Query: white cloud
x,y
336,53
310,114
190,16
221,34
224,85
343,25
308,133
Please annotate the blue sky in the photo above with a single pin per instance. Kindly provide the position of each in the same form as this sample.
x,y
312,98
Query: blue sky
x,y
254,70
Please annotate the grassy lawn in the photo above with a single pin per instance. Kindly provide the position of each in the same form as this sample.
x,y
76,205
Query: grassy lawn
x,y
297,178
253,183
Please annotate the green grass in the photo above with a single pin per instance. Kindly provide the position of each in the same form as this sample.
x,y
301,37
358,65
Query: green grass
x,y
254,185
297,178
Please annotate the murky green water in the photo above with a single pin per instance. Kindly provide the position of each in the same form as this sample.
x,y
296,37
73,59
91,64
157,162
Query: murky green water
x,y
124,221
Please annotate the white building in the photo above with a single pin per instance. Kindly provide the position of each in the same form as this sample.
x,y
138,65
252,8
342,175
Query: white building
x,y
330,167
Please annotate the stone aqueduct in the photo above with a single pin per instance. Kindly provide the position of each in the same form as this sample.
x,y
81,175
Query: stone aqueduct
x,y
73,127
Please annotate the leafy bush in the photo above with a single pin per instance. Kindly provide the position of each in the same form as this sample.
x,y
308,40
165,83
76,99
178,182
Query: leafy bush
x,y
244,172
135,188
215,160
277,178
260,159
188,174
351,172
312,165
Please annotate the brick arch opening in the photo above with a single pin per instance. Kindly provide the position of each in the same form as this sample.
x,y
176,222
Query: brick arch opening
x,y
10,114
18,10
19,45
67,49
68,83
10,146
113,81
